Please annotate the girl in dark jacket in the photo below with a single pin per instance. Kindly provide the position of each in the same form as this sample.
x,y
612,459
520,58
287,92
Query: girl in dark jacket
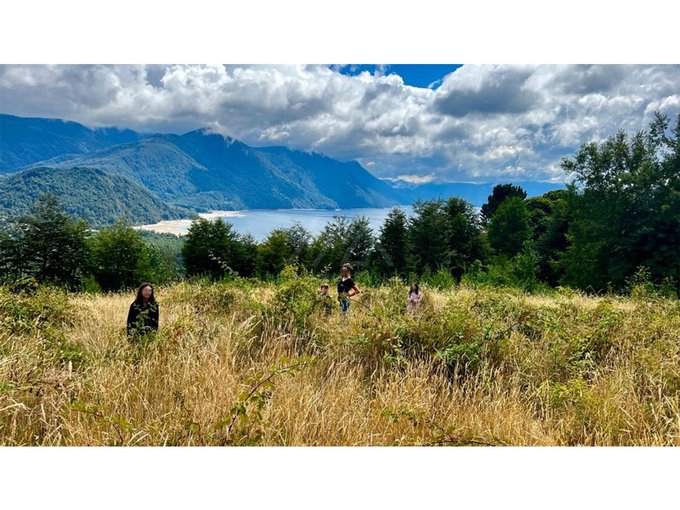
x,y
143,315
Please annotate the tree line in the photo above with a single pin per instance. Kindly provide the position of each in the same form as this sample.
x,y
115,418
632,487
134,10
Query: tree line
x,y
618,219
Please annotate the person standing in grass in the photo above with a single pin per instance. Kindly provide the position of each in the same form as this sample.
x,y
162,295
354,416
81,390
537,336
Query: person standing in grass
x,y
325,299
414,297
143,314
346,288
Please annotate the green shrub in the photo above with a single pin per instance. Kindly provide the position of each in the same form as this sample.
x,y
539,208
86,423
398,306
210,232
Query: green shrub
x,y
34,310
296,298
461,359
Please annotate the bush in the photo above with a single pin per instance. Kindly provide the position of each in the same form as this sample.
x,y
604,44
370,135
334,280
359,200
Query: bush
x,y
461,359
296,298
37,309
442,279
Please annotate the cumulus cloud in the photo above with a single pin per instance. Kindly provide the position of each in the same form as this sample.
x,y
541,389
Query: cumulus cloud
x,y
486,91
482,123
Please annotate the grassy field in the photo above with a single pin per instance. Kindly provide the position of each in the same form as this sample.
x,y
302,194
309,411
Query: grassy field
x,y
248,363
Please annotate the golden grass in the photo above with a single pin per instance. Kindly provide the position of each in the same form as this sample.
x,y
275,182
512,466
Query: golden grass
x,y
475,367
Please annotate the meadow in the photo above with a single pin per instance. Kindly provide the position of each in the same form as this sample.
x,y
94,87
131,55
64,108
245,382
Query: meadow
x,y
244,362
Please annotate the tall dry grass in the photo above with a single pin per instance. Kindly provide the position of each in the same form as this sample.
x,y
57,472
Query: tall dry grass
x,y
246,363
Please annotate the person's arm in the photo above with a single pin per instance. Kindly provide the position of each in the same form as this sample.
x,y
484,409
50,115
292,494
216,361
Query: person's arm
x,y
356,290
132,317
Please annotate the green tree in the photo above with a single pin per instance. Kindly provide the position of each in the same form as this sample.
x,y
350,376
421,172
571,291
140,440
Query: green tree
x,y
509,227
500,192
427,234
13,263
165,256
210,248
273,254
299,241
121,259
164,264
463,233
283,247
53,245
549,219
329,249
360,243
244,255
626,210
342,240
444,235
391,252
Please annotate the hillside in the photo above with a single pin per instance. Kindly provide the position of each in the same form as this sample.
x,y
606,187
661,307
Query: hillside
x,y
200,170
203,170
24,141
87,193
153,162
476,367
346,183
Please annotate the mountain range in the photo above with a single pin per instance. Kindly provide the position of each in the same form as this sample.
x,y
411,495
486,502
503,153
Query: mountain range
x,y
105,173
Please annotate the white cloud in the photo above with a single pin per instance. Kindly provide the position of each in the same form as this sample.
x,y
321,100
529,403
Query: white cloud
x,y
482,122
416,179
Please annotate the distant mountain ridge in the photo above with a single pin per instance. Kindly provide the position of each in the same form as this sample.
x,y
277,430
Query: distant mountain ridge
x,y
27,140
202,170
475,193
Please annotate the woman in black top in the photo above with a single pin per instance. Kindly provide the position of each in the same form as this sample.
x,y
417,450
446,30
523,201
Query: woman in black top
x,y
346,288
143,315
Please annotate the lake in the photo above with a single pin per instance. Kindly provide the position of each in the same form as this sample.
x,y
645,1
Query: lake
x,y
260,222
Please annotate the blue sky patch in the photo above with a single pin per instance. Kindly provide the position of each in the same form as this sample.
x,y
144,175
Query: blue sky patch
x,y
416,75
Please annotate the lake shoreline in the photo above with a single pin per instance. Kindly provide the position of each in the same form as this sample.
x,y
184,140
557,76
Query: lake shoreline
x,y
177,226
259,222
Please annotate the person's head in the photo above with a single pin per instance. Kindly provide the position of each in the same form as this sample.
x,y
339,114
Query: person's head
x,y
324,288
415,289
145,294
346,269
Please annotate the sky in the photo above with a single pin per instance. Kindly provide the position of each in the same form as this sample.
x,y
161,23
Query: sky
x,y
420,123
415,75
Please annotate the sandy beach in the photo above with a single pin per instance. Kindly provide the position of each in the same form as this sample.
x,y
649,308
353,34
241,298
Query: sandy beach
x,y
179,227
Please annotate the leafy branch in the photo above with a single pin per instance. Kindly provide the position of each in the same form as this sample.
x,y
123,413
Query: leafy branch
x,y
443,435
261,387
